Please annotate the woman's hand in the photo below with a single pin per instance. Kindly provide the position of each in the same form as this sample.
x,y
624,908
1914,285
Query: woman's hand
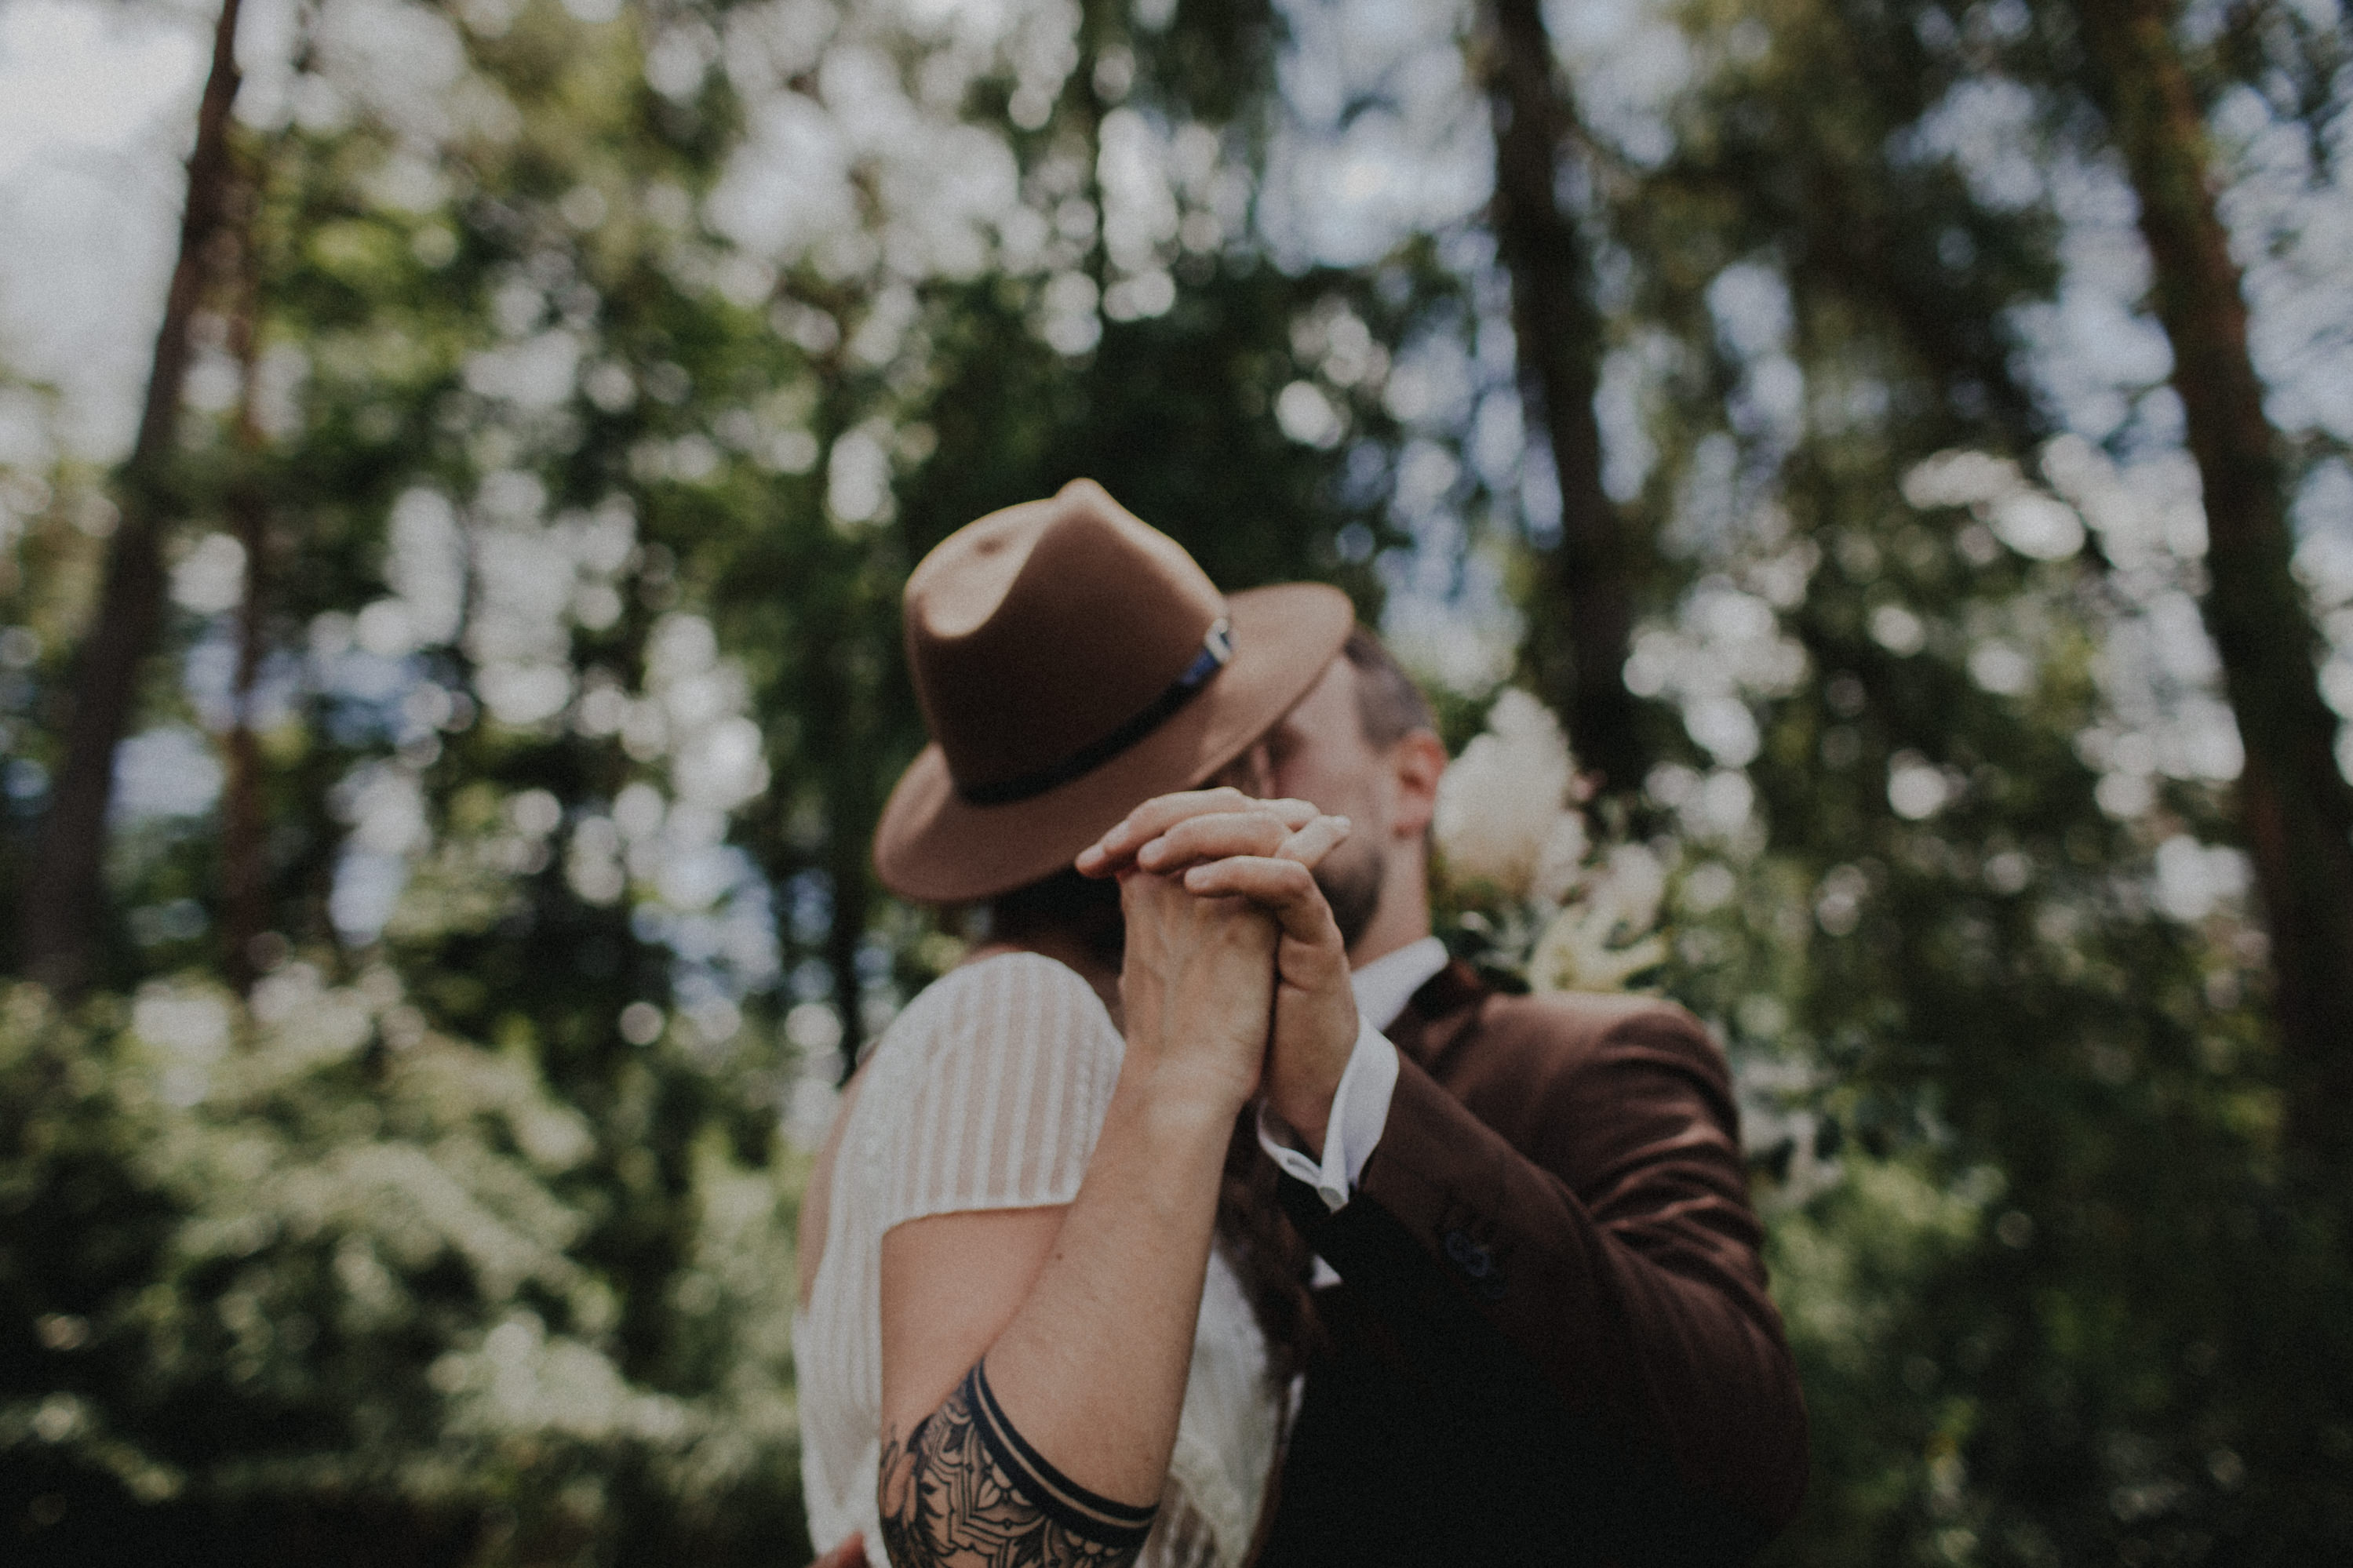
x,y
1197,990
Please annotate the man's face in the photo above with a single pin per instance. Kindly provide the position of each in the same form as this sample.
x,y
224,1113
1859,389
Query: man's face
x,y
1317,752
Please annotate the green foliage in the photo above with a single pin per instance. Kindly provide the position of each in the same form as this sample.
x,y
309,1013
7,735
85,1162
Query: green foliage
x,y
296,1254
2015,1113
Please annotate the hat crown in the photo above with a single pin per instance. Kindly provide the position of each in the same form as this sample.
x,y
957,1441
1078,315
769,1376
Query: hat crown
x,y
1038,631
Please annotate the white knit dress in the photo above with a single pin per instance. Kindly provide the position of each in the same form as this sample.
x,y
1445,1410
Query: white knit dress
x,y
988,1092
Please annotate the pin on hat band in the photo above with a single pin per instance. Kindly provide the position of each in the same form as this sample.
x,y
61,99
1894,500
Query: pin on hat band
x,y
1217,651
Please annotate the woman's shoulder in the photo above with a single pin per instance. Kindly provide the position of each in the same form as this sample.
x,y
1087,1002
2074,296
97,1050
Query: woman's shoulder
x,y
1016,974
1012,996
988,1091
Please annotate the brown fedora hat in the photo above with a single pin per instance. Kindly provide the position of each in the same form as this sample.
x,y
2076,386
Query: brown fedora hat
x,y
1073,661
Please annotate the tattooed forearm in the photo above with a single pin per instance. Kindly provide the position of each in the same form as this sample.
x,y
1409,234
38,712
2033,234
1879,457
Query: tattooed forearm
x,y
966,1490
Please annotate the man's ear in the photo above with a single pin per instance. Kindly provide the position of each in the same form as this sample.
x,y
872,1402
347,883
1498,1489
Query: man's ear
x,y
1418,759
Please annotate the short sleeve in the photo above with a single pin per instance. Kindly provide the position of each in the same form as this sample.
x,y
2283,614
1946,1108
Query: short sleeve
x,y
1007,1094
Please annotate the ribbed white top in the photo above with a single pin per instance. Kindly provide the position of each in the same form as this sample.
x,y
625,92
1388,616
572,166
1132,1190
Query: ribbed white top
x,y
988,1093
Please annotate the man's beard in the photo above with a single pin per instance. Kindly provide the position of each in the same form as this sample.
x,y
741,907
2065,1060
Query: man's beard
x,y
1352,886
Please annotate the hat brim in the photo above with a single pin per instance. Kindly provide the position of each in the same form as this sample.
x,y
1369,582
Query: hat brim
x,y
935,846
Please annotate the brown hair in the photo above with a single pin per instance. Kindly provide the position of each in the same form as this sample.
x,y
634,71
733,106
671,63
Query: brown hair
x,y
1270,1260
1087,908
1389,706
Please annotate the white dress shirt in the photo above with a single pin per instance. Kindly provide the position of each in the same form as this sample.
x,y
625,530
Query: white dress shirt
x,y
1360,1109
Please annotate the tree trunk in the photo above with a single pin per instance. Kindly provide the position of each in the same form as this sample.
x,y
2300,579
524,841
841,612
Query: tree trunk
x,y
245,868
1582,615
2294,805
63,894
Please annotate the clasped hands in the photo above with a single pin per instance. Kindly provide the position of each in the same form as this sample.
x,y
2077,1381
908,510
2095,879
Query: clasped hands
x,y
1235,969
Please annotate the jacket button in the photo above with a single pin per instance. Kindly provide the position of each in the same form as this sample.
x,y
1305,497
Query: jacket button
x,y
1469,1256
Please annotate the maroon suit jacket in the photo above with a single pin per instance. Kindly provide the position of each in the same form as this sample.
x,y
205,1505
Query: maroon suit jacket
x,y
1551,1340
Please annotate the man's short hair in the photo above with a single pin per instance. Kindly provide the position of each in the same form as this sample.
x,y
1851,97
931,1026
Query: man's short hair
x,y
1389,706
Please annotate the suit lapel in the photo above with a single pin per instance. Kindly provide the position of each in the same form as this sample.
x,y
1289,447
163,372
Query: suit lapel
x,y
1439,1017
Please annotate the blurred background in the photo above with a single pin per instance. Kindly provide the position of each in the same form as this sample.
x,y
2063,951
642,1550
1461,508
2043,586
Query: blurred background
x,y
459,462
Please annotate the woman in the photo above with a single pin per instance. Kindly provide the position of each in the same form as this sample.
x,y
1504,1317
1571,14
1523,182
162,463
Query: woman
x,y
1018,1341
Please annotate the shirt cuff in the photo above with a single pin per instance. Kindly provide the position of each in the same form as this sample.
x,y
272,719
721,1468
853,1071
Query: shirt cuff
x,y
1360,1109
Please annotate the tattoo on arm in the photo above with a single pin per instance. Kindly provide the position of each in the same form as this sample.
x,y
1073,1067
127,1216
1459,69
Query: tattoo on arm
x,y
966,1489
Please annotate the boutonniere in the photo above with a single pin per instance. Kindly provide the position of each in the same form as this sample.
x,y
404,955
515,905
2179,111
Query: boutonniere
x,y
1523,888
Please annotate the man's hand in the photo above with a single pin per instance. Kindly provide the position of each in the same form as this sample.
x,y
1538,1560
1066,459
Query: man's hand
x,y
850,1553
1226,844
1110,854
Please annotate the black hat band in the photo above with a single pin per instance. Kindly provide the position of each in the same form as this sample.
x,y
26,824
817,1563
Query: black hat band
x,y
1217,652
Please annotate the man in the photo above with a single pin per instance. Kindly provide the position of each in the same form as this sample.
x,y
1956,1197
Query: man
x,y
1548,1335
1545,1335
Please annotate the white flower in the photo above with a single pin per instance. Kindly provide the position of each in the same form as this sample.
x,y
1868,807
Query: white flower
x,y
1522,854
1575,953
1629,888
1605,938
1560,864
1500,803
